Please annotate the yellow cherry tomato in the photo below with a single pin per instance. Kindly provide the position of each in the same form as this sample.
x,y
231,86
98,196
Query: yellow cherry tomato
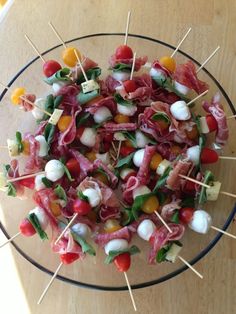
x,y
175,149
55,209
16,94
168,63
193,134
101,177
120,118
111,225
69,57
155,161
150,205
26,147
64,123
91,156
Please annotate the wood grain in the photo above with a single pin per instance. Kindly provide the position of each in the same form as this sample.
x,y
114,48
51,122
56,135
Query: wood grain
x,y
214,23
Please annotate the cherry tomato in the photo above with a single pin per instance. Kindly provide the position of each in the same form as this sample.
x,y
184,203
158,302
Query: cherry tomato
x,y
81,207
120,118
125,151
69,57
150,205
73,166
101,177
91,156
64,123
79,132
16,94
208,156
26,147
211,122
122,262
193,134
108,137
55,209
124,52
186,214
155,161
189,187
50,67
130,86
111,225
29,183
69,258
168,63
26,228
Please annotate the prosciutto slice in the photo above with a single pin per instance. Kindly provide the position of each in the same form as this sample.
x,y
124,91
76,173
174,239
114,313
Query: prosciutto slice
x,y
185,74
216,109
34,162
111,84
25,104
103,238
69,93
168,210
108,102
143,173
161,94
13,172
113,61
129,187
157,66
114,127
174,181
85,165
162,236
112,178
68,136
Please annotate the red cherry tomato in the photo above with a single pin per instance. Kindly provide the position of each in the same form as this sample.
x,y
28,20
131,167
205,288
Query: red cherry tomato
x,y
133,173
50,67
73,166
208,156
130,86
108,137
28,183
125,150
122,262
79,132
69,258
81,207
124,52
211,122
189,187
186,214
26,228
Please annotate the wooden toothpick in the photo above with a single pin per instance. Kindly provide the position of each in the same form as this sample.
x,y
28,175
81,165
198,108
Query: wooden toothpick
x,y
10,240
81,66
208,59
127,28
196,98
25,177
180,43
66,228
224,232
35,48
190,267
130,291
163,221
133,66
57,34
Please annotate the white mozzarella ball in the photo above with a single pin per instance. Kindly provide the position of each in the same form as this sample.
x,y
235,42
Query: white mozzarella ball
x,y
141,139
201,221
157,74
88,138
141,190
138,157
116,245
121,76
43,148
39,185
193,154
102,114
163,165
105,158
36,112
93,196
58,85
146,229
127,110
54,170
180,110
81,229
41,215
181,88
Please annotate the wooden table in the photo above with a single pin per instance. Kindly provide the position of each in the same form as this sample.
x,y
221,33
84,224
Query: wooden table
x,y
214,23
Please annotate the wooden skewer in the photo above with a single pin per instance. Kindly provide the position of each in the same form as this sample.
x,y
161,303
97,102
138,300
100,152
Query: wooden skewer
x,y
66,228
127,28
208,59
35,48
114,146
133,65
10,240
57,34
49,284
199,96
112,156
224,232
130,291
231,117
180,43
190,266
81,66
118,150
227,157
25,177
163,221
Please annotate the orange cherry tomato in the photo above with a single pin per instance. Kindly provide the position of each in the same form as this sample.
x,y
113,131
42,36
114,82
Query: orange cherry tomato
x,y
155,161
16,94
26,147
193,134
55,209
111,225
168,63
151,205
91,156
69,57
120,118
101,177
64,123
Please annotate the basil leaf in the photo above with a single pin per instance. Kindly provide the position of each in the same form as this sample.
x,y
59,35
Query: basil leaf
x,y
161,116
127,217
49,132
11,190
125,161
138,203
175,217
6,168
91,74
161,254
67,172
81,121
122,67
208,177
35,222
61,75
47,182
19,142
188,202
112,254
84,98
83,197
121,101
162,180
161,197
86,247
100,170
131,137
60,193
57,101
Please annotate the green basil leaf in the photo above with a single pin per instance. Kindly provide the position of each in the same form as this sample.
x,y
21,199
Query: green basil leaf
x,y
208,178
138,203
83,197
91,74
188,202
19,142
86,247
82,120
6,168
161,197
11,190
175,217
125,161
121,101
131,137
47,182
161,254
60,193
121,67
84,98
49,132
112,254
162,180
61,75
35,222
127,217
67,172
57,101
161,116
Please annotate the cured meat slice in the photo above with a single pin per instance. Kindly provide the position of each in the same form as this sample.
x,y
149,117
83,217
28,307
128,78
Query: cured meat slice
x,y
102,238
68,136
174,181
26,105
143,173
114,127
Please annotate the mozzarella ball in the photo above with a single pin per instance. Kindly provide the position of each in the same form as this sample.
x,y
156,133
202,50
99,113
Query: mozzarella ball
x,y
93,196
181,88
146,229
121,76
102,114
54,170
116,245
119,136
180,110
88,137
81,229
41,215
105,158
127,110
193,154
141,139
157,74
138,157
141,190
37,113
201,221
43,148
39,185
58,85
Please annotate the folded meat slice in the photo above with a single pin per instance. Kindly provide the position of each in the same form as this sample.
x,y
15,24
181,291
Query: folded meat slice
x,y
128,189
168,210
174,181
68,136
143,173
139,61
33,162
25,104
85,165
103,238
114,127
112,178
108,102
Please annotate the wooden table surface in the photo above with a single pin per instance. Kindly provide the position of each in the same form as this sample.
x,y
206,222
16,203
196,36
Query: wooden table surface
x,y
214,23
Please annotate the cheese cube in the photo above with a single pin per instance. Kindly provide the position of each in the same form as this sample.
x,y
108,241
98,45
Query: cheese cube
x,y
55,116
89,86
173,252
163,166
213,192
12,148
204,126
